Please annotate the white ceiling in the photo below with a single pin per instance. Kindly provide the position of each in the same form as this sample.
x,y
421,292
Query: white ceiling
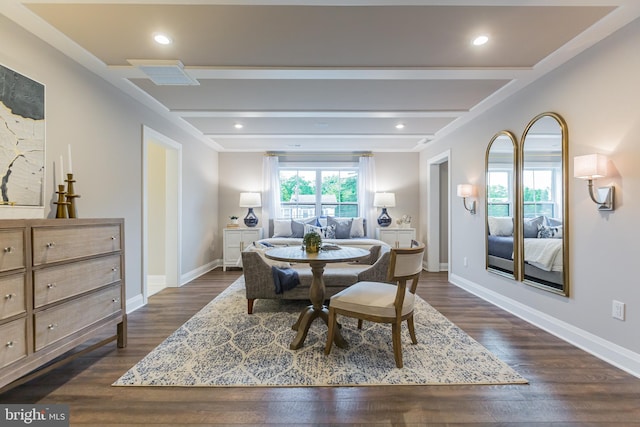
x,y
315,75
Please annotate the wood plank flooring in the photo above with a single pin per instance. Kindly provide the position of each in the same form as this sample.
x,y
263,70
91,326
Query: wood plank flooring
x,y
568,387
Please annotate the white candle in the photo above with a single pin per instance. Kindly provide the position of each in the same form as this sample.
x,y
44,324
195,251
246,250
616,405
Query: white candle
x,y
61,172
70,164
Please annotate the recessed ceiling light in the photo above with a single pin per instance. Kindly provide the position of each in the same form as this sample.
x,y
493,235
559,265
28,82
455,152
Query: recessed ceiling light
x,y
162,39
238,126
480,40
400,126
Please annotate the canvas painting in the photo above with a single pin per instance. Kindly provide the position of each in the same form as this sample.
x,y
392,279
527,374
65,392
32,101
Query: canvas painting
x,y
22,140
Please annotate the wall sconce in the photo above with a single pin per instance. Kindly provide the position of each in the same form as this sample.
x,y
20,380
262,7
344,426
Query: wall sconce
x,y
384,201
590,167
250,200
464,191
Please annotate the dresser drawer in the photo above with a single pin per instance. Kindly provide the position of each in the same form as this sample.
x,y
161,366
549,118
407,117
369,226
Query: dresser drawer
x,y
65,319
66,243
11,249
13,342
12,299
56,283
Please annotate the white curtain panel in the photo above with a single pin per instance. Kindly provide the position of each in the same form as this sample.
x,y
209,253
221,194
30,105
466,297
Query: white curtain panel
x,y
270,189
367,190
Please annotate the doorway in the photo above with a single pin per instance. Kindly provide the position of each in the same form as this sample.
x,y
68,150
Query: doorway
x,y
162,172
438,205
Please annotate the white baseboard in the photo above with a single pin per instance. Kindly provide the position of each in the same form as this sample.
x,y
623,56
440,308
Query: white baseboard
x,y
155,283
614,354
194,274
444,266
135,303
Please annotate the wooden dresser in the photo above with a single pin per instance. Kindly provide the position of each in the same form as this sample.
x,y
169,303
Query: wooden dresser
x,y
61,288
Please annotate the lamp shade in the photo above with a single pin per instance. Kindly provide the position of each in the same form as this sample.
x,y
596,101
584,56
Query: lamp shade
x,y
384,200
465,190
250,200
590,166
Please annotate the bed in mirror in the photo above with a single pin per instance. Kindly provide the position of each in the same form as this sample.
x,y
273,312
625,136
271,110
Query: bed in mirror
x,y
501,206
542,218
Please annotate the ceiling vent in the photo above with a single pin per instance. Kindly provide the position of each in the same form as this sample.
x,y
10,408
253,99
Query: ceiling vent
x,y
164,72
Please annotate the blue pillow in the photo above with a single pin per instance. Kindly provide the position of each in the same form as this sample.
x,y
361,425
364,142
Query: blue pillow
x,y
342,226
297,226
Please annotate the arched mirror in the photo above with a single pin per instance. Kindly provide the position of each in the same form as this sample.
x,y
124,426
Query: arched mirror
x,y
501,205
543,205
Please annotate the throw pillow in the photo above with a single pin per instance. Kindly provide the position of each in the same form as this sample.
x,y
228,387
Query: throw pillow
x,y
342,226
546,232
282,228
330,231
530,226
357,227
308,228
297,226
500,225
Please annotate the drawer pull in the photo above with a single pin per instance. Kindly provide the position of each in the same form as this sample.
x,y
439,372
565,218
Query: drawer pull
x,y
51,285
9,296
51,245
113,237
114,269
9,344
115,300
8,250
52,326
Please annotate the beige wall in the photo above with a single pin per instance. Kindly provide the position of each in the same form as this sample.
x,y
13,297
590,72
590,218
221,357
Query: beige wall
x,y
597,94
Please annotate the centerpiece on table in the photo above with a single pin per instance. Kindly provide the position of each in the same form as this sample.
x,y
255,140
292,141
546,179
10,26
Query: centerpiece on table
x,y
312,242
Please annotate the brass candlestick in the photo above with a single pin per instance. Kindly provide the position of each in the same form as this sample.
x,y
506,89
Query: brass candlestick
x,y
71,196
62,208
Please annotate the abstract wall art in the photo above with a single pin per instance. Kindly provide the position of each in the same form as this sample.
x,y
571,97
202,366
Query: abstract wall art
x,y
22,141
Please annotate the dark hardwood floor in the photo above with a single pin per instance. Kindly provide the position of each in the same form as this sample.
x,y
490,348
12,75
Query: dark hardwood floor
x,y
567,386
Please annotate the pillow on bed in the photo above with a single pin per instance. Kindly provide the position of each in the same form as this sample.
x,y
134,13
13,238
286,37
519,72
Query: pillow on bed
x,y
297,226
357,228
530,226
547,232
500,225
342,226
282,228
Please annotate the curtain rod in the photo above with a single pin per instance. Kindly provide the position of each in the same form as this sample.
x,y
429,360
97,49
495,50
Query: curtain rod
x,y
312,153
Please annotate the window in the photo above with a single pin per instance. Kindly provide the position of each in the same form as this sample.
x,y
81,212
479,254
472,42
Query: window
x,y
499,191
538,191
308,192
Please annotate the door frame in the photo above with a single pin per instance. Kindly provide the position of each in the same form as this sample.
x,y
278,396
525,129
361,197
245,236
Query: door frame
x,y
173,223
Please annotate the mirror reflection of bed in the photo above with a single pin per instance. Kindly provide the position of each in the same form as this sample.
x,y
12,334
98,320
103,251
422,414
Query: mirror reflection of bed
x,y
526,204
543,202
501,203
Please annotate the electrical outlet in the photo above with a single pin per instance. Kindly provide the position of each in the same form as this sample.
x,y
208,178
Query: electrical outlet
x,y
617,310
464,261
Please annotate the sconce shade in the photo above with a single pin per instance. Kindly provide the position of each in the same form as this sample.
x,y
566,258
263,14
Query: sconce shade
x,y
465,190
590,166
250,200
384,200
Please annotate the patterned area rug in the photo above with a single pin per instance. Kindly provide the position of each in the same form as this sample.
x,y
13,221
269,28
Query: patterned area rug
x,y
222,345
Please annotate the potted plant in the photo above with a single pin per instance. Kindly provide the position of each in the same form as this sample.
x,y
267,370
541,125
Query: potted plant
x,y
312,242
234,220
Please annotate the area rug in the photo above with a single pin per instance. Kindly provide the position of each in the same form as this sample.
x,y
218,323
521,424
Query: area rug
x,y
222,345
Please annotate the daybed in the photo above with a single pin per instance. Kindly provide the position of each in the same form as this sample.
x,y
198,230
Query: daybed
x,y
258,271
542,248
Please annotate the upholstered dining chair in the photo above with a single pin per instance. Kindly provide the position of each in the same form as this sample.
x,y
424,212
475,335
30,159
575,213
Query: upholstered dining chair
x,y
383,302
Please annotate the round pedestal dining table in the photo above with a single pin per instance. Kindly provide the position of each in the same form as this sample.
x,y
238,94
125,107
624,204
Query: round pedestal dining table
x,y
317,261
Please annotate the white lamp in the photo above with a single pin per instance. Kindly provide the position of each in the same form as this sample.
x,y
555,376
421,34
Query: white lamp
x,y
590,167
384,201
464,191
250,200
